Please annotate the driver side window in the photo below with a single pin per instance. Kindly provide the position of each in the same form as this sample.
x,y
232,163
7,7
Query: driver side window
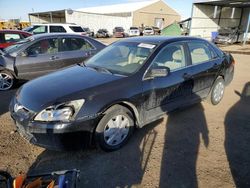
x,y
46,46
171,56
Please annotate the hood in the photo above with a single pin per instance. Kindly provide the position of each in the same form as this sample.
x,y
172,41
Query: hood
x,y
60,86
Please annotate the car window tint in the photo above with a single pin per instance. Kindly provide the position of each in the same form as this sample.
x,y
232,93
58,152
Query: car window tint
x,y
46,46
71,44
199,52
172,56
12,37
39,29
57,29
76,29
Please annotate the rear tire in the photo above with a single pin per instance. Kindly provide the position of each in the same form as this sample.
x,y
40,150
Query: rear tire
x,y
217,91
7,80
115,128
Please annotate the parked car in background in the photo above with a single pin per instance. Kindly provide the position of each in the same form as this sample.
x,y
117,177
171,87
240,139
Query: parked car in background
x,y
55,28
10,37
102,33
128,84
41,54
228,35
89,33
148,31
119,32
134,31
157,30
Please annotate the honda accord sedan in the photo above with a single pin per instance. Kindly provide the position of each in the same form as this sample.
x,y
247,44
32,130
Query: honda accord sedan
x,y
44,53
125,86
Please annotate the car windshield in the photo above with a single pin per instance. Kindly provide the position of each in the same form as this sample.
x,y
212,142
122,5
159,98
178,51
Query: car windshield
x,y
18,45
123,58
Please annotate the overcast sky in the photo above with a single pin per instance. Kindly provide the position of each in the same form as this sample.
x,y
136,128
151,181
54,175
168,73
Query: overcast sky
x,y
10,9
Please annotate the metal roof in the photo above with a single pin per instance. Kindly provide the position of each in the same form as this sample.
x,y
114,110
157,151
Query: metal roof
x,y
225,3
118,8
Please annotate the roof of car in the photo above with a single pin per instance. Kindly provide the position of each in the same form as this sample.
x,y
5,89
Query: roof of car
x,y
45,35
63,24
159,39
14,31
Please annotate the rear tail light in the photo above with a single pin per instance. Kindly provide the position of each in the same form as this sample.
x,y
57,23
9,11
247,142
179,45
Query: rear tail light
x,y
233,62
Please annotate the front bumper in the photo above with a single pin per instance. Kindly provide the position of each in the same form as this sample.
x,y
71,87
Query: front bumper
x,y
54,135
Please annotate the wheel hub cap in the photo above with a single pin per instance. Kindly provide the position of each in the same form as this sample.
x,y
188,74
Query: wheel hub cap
x,y
6,81
218,92
116,130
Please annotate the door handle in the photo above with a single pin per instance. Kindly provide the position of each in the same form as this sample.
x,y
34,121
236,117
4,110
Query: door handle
x,y
53,58
187,76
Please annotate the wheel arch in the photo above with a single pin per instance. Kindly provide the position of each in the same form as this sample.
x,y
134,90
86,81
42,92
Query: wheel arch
x,y
129,106
8,70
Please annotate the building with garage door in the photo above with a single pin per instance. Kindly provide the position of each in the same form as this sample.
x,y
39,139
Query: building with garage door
x,y
209,16
147,13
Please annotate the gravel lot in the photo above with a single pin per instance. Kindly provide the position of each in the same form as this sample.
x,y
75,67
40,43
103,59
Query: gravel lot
x,y
200,146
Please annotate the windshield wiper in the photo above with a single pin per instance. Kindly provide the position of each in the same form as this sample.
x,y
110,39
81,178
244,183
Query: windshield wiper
x,y
102,69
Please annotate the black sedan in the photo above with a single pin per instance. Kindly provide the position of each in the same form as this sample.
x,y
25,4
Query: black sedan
x,y
128,84
41,54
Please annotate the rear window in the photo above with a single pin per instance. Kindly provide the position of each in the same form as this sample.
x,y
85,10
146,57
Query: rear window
x,y
57,29
72,44
76,29
12,37
199,52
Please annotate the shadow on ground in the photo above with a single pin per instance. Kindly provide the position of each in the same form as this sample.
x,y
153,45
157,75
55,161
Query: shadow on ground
x,y
182,141
237,138
122,168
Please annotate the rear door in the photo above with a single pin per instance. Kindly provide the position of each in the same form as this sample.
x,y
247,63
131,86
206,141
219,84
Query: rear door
x,y
40,58
205,67
74,50
164,94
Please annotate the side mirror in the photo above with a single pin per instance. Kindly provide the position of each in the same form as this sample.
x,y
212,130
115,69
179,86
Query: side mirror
x,y
158,72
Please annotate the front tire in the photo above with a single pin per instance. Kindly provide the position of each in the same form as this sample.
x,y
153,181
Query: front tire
x,y
7,80
115,128
217,91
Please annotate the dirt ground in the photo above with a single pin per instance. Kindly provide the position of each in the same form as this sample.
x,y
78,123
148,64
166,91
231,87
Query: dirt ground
x,y
200,146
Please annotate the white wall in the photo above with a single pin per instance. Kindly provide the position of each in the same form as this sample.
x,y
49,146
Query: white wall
x,y
95,21
204,23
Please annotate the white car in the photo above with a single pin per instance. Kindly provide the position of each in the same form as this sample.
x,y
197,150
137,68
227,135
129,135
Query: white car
x,y
133,31
55,28
148,31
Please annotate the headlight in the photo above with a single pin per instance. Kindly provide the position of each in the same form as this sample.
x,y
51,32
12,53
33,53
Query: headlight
x,y
62,112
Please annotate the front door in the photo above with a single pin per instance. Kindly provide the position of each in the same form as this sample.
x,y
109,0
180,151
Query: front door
x,y
40,58
162,94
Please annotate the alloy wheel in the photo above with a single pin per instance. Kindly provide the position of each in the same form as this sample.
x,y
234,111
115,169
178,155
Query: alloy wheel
x,y
218,91
6,81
